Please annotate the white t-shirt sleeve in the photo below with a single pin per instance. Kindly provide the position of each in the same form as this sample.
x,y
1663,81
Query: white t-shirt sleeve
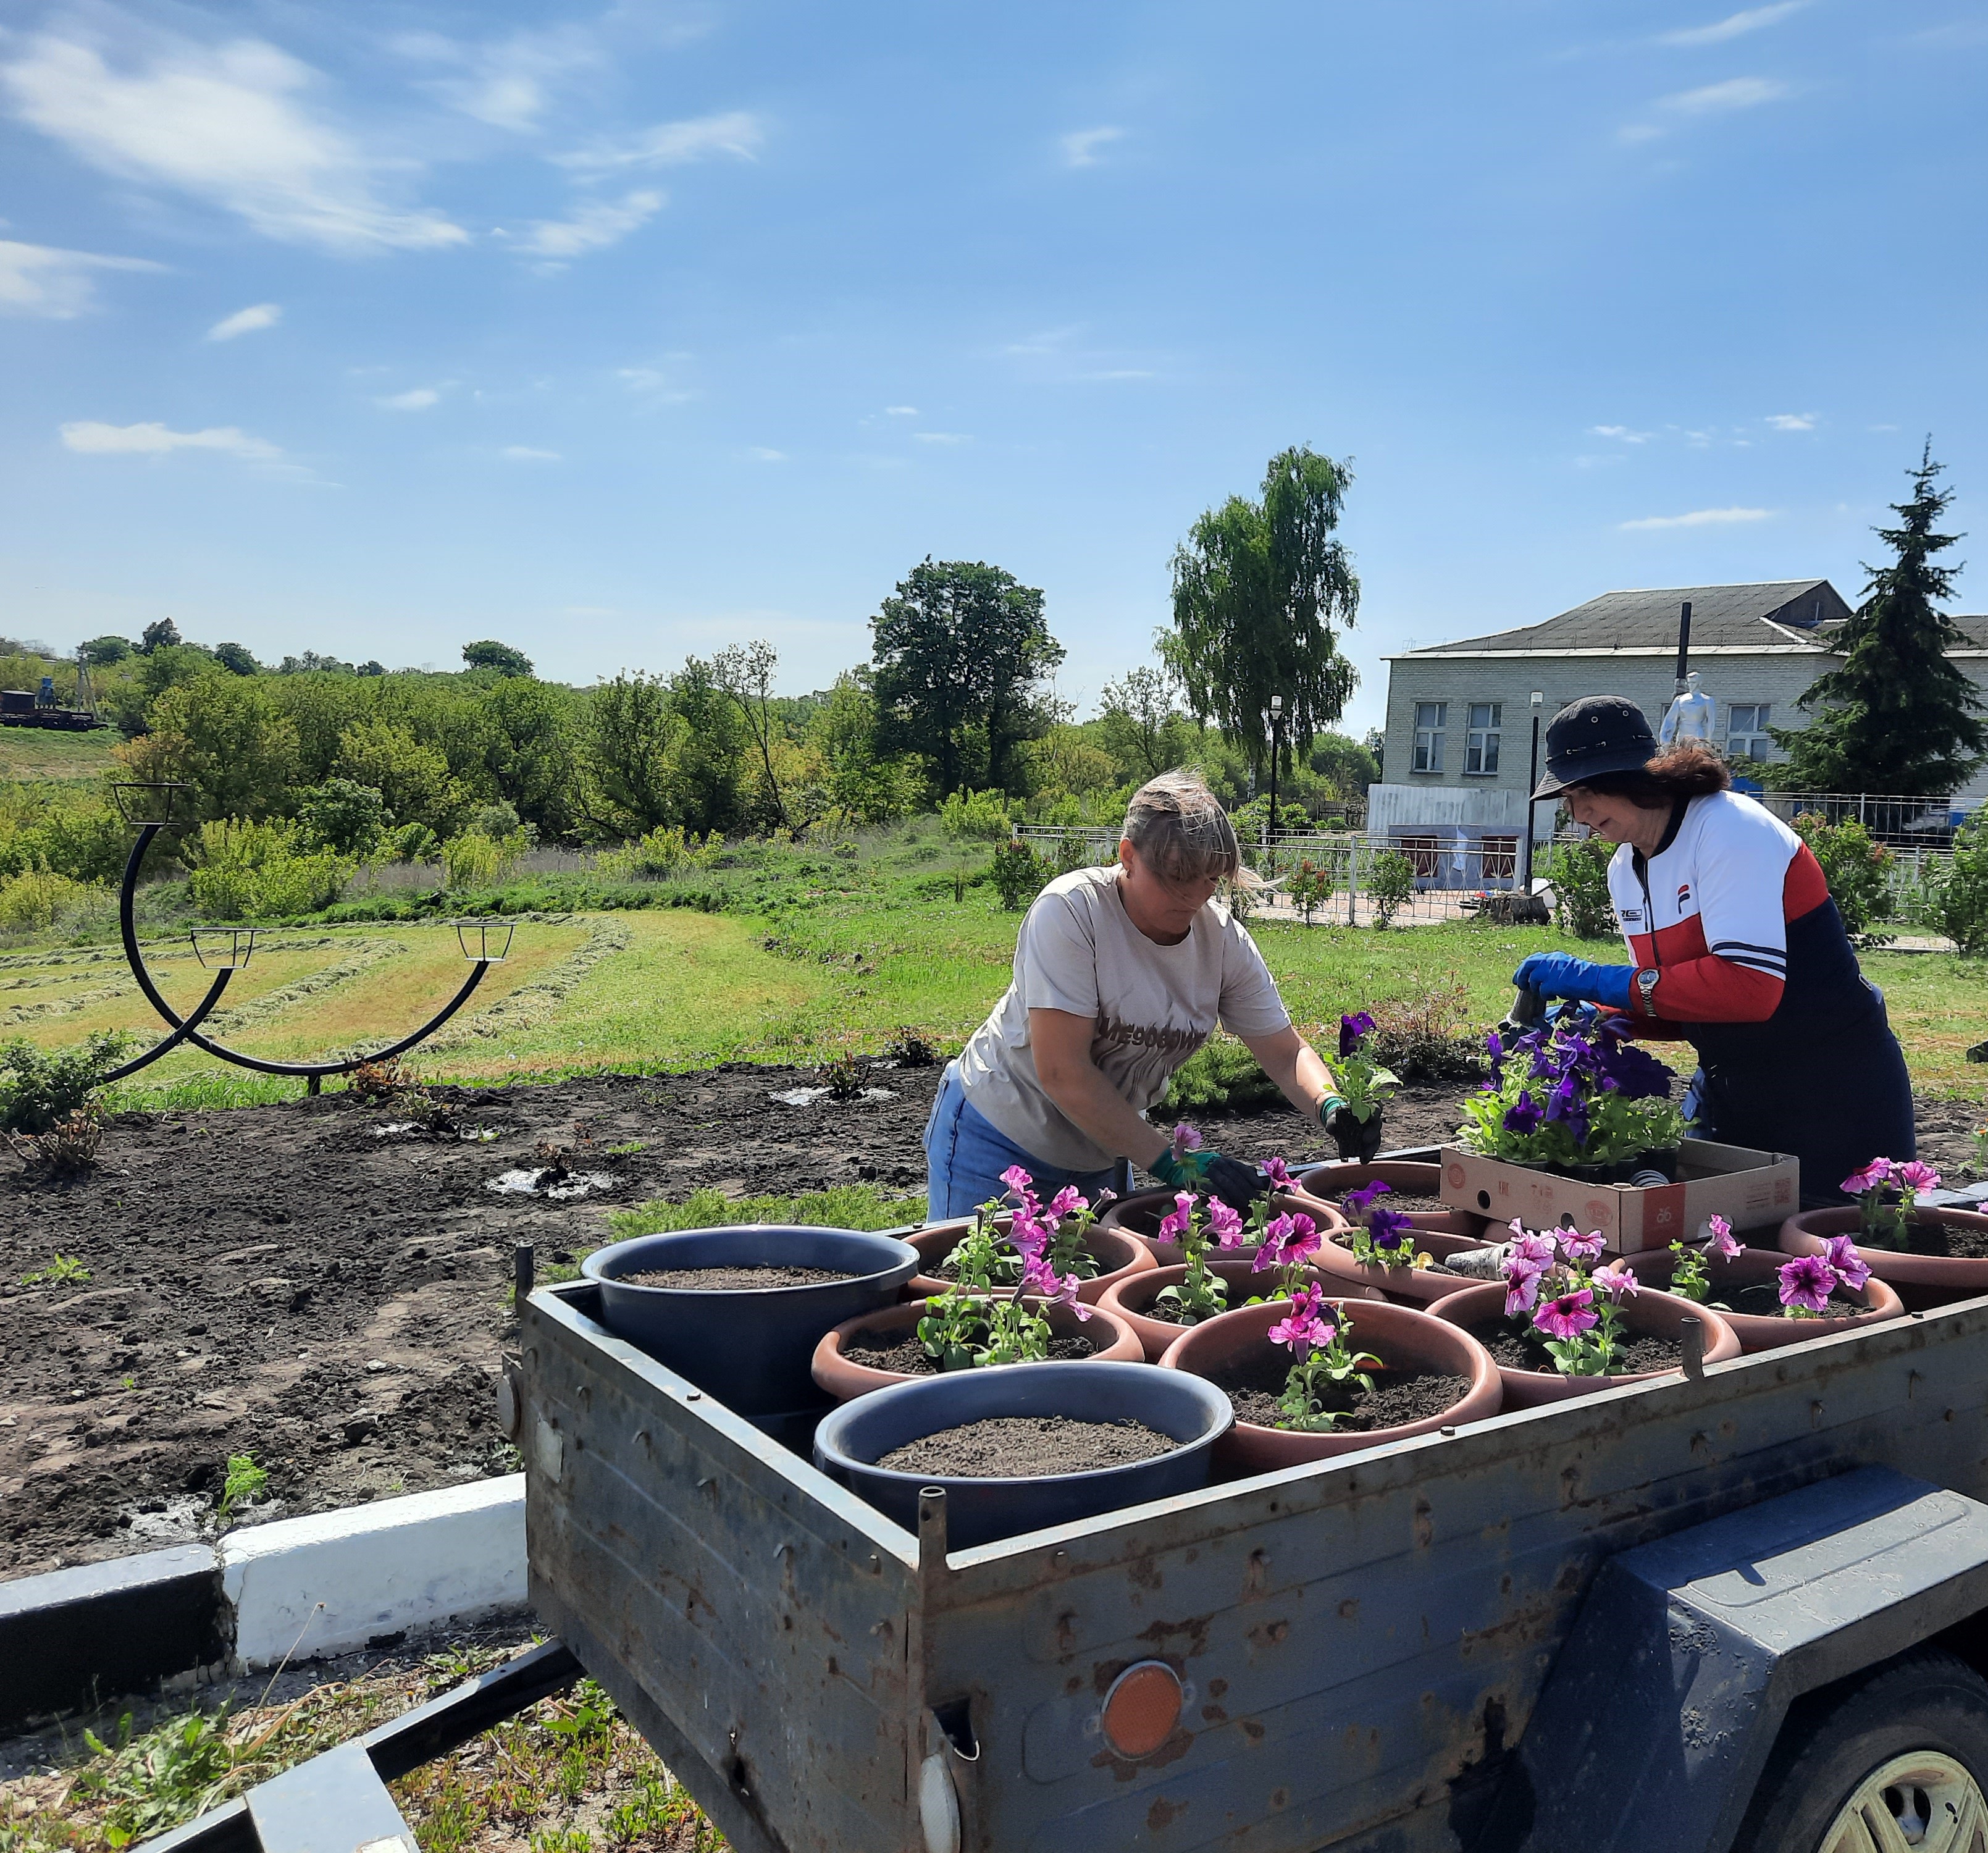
x,y
1056,961
1742,869
1250,1005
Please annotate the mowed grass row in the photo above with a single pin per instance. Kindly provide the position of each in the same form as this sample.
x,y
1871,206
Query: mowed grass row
x,y
672,990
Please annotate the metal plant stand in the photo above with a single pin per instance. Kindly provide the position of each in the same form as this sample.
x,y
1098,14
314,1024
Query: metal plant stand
x,y
136,801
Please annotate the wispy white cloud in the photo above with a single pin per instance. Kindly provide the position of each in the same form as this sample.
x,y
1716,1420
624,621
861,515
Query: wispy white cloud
x,y
45,280
246,322
526,453
1733,94
1734,25
1792,422
226,124
761,453
940,437
418,399
99,440
1698,518
738,132
1121,373
1079,148
510,82
594,225
900,411
1621,433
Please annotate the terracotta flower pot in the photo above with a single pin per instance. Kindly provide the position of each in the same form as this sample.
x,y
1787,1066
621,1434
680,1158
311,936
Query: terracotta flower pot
x,y
1330,1182
1921,1281
1117,1252
1139,1215
1402,1338
1116,1341
1759,1267
1131,1297
1403,1285
1660,1314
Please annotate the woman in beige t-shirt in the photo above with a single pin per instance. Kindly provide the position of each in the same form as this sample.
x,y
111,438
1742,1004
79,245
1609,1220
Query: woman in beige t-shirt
x,y
1120,974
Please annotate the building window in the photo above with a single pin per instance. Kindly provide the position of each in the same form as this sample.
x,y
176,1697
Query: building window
x,y
1480,750
1431,718
1746,730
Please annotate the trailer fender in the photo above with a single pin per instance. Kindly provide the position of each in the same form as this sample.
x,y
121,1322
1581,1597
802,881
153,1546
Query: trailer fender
x,y
1661,1707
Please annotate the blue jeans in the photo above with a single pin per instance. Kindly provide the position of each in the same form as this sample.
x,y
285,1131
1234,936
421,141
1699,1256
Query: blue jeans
x,y
966,1155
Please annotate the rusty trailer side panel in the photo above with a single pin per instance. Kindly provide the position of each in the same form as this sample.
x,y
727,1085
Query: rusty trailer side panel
x,y
1363,1638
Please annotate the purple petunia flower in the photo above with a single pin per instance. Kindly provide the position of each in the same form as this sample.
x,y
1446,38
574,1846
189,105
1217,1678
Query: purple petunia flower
x,y
1277,1174
1852,1269
1186,1138
1351,1030
1357,1202
1522,1294
1878,1172
1568,1315
1566,1105
1288,1241
1806,1281
1494,1046
1389,1228
1523,1115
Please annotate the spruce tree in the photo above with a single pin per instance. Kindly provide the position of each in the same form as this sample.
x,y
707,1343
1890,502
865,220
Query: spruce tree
x,y
1898,715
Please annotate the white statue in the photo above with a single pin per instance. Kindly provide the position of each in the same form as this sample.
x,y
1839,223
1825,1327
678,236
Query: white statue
x,y
1690,716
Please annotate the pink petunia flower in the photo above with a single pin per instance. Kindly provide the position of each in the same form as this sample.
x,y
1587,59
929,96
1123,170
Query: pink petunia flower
x,y
1304,1328
1617,1280
1038,1276
1225,1223
1723,1244
1176,1225
1914,1177
1277,1174
1186,1138
1289,1241
1873,1174
1568,1315
1577,1247
1806,1281
1537,1251
1028,1236
1522,1293
1066,1203
1019,1183
1852,1269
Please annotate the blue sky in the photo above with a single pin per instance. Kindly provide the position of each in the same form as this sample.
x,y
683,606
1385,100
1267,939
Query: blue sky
x,y
624,333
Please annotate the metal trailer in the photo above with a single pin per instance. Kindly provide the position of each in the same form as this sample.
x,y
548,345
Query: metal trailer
x,y
1581,1626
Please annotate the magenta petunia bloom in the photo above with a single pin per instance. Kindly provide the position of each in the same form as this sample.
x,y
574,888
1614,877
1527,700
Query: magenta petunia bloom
x,y
1028,1236
1038,1276
1066,1203
1289,1241
1914,1177
1537,1251
1577,1247
1304,1328
1277,1174
1568,1315
1852,1269
1177,1224
1878,1172
1357,1202
1522,1293
1806,1281
1617,1280
1019,1184
1186,1138
1722,1243
1225,1223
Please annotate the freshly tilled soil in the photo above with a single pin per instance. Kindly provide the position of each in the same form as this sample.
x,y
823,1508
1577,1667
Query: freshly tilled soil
x,y
733,1279
1011,1447
911,1359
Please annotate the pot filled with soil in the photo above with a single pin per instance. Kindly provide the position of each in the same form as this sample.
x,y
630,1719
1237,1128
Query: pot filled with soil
x,y
1400,1255
1930,1255
1016,1451
1142,1212
1650,1343
1137,1299
1414,1190
1766,1311
738,1310
880,1349
1311,1377
1104,1256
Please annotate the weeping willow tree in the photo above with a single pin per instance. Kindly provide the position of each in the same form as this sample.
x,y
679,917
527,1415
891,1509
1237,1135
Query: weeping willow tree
x,y
1262,590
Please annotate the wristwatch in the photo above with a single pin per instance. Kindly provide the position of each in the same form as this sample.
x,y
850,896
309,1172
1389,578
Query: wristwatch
x,y
1646,985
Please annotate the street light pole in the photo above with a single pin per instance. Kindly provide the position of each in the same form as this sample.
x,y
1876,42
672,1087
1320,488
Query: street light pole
x,y
1539,702
1277,738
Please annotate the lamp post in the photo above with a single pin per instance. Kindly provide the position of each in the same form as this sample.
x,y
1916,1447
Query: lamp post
x,y
1276,742
1538,705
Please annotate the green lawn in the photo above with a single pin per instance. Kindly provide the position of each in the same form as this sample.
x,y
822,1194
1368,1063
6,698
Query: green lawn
x,y
33,753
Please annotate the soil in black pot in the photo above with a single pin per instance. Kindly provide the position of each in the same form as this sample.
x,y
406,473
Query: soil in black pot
x,y
734,1280
1254,1382
1014,1447
1513,1347
1956,1241
1763,1301
910,1358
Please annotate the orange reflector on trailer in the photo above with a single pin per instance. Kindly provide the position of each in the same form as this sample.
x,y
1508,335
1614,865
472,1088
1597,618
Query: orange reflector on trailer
x,y
1141,1709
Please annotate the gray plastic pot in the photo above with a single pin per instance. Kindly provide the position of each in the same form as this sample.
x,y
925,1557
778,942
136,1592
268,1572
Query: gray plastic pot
x,y
752,1349
848,1442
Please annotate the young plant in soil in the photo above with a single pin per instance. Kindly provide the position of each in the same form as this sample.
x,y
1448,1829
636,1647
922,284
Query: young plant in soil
x,y
1381,1236
1689,1278
1328,1375
1886,1191
1358,1079
1811,1286
1573,1306
1197,1224
1576,1093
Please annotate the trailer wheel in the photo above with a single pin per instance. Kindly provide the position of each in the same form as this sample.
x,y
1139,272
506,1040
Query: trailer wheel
x,y
1893,1760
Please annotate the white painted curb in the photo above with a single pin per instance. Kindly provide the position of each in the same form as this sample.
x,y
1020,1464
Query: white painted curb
x,y
329,1583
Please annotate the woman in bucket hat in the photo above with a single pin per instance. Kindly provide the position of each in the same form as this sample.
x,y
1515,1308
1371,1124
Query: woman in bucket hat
x,y
1738,949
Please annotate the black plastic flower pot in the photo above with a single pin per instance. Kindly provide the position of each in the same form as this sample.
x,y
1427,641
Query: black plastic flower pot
x,y
1358,1140
849,1441
753,1348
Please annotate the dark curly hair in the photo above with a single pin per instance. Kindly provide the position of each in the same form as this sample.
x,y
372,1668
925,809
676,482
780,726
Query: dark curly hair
x,y
1688,769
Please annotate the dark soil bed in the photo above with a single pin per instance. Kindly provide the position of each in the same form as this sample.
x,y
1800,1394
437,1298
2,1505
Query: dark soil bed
x,y
1012,1447
1402,1200
280,1280
749,1280
1513,1349
1254,1382
1764,1302
1957,1241
910,1358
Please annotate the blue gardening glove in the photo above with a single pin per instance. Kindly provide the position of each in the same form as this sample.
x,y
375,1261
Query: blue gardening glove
x,y
1562,975
1237,1184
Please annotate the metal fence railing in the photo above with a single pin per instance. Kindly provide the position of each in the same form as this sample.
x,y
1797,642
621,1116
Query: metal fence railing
x,y
1893,818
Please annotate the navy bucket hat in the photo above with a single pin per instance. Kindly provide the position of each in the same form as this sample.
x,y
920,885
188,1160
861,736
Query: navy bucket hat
x,y
1598,733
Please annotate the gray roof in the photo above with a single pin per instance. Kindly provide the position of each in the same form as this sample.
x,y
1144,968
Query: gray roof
x,y
1784,612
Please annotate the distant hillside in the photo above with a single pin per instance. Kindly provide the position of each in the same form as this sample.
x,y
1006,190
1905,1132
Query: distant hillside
x,y
39,752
